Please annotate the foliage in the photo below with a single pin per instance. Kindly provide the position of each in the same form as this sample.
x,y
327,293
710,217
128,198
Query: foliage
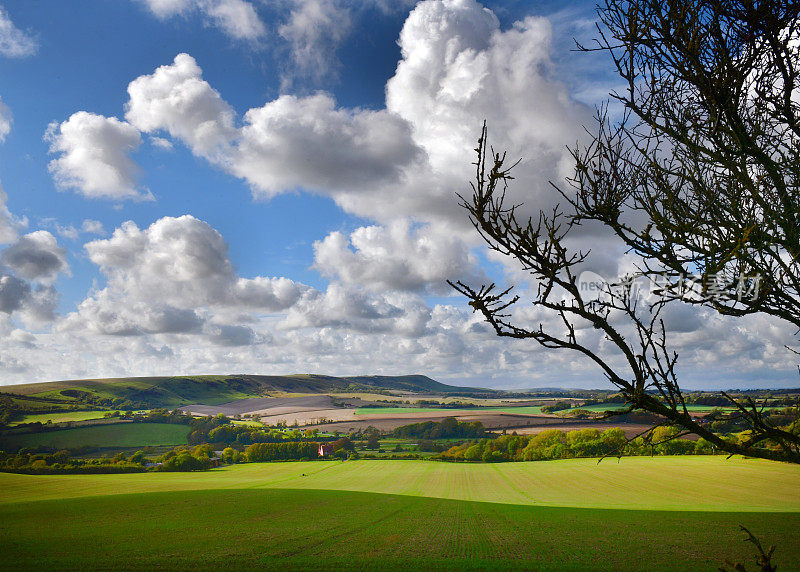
x,y
554,444
448,427
261,452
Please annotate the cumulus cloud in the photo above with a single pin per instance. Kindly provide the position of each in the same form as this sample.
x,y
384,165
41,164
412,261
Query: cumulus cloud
x,y
313,31
457,68
351,310
14,43
396,257
309,143
175,99
5,121
94,156
174,277
36,256
237,19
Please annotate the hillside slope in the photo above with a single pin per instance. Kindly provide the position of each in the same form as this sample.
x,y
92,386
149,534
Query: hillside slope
x,y
215,389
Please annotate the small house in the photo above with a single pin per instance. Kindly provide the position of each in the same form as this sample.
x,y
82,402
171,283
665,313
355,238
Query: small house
x,y
325,449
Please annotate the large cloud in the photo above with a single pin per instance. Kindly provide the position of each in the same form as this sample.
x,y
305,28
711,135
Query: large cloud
x,y
309,143
94,156
396,258
458,67
14,43
238,19
176,99
174,277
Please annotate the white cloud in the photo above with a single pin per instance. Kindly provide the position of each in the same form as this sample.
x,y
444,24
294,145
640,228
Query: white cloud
x,y
168,8
91,226
309,143
174,277
14,43
313,31
396,257
238,19
176,99
6,119
36,256
347,309
161,143
458,67
94,156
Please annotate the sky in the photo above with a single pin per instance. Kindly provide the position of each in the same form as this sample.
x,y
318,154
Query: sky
x,y
231,186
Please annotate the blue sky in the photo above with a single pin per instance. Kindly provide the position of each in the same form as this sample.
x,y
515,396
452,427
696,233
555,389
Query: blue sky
x,y
212,186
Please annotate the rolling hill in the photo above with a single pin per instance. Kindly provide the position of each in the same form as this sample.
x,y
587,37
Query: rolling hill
x,y
215,389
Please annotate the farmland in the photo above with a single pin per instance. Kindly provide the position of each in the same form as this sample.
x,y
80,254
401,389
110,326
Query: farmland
x,y
572,514
112,435
60,417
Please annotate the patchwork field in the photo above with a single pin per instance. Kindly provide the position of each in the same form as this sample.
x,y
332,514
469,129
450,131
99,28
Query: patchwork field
x,y
640,513
112,435
59,417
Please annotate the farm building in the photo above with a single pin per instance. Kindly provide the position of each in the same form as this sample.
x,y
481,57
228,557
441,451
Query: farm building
x,y
325,449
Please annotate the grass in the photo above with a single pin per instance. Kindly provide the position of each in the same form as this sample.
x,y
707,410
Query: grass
x,y
247,422
111,435
60,417
523,410
639,514
247,529
615,406
641,483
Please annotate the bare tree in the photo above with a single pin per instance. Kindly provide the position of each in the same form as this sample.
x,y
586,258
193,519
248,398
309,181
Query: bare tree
x,y
699,179
707,155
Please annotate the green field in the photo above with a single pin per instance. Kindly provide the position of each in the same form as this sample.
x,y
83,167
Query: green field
x,y
60,417
707,483
111,435
525,410
639,514
600,407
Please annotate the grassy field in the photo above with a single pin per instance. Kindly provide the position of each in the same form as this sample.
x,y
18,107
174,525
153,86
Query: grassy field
x,y
524,410
642,483
248,529
112,435
639,514
600,407
59,417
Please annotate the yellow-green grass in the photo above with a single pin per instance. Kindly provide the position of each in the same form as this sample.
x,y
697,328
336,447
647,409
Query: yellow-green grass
x,y
644,483
110,435
522,410
679,513
321,530
59,417
247,422
616,406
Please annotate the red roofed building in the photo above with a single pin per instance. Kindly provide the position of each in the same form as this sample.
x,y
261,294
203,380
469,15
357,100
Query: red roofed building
x,y
325,449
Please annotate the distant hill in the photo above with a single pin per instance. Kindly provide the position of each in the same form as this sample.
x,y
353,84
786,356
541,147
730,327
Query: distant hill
x,y
148,392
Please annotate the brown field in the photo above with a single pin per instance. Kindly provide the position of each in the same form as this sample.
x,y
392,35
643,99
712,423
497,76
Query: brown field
x,y
266,406
310,409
